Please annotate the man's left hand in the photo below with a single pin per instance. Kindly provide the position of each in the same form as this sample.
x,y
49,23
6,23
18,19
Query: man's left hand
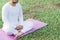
x,y
19,27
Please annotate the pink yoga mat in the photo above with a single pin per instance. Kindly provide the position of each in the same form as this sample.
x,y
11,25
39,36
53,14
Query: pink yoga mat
x,y
38,25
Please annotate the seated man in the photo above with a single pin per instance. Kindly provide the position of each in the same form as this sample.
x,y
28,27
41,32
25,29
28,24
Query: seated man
x,y
12,17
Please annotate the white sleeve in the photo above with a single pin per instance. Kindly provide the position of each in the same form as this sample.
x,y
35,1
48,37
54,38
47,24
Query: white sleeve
x,y
5,15
20,16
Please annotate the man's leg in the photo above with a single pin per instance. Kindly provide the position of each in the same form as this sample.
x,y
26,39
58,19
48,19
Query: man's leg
x,y
26,27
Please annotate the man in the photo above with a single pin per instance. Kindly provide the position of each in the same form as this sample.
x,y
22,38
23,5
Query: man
x,y
12,17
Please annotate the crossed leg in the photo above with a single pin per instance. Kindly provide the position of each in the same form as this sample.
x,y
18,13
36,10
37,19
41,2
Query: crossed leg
x,y
26,27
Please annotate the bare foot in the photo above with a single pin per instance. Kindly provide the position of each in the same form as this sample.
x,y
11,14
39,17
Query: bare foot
x,y
15,38
17,35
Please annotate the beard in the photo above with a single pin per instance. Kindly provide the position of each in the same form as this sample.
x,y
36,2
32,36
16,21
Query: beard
x,y
14,2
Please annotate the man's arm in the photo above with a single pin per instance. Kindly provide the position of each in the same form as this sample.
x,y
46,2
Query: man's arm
x,y
5,15
20,16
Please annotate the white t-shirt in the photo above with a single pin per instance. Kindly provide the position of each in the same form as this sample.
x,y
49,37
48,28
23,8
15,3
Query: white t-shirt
x,y
10,16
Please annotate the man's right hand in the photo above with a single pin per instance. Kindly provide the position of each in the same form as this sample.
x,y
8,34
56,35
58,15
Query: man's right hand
x,y
19,27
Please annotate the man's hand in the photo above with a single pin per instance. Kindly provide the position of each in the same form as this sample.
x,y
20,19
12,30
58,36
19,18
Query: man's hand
x,y
19,27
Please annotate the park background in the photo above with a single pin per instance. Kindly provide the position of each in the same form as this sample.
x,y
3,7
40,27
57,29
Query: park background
x,y
43,10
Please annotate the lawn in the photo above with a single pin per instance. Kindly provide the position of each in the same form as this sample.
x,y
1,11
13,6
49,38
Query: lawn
x,y
47,14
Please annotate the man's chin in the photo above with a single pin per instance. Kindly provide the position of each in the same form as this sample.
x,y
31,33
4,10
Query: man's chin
x,y
15,2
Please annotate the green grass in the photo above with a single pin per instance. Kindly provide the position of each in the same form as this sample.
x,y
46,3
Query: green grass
x,y
48,15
